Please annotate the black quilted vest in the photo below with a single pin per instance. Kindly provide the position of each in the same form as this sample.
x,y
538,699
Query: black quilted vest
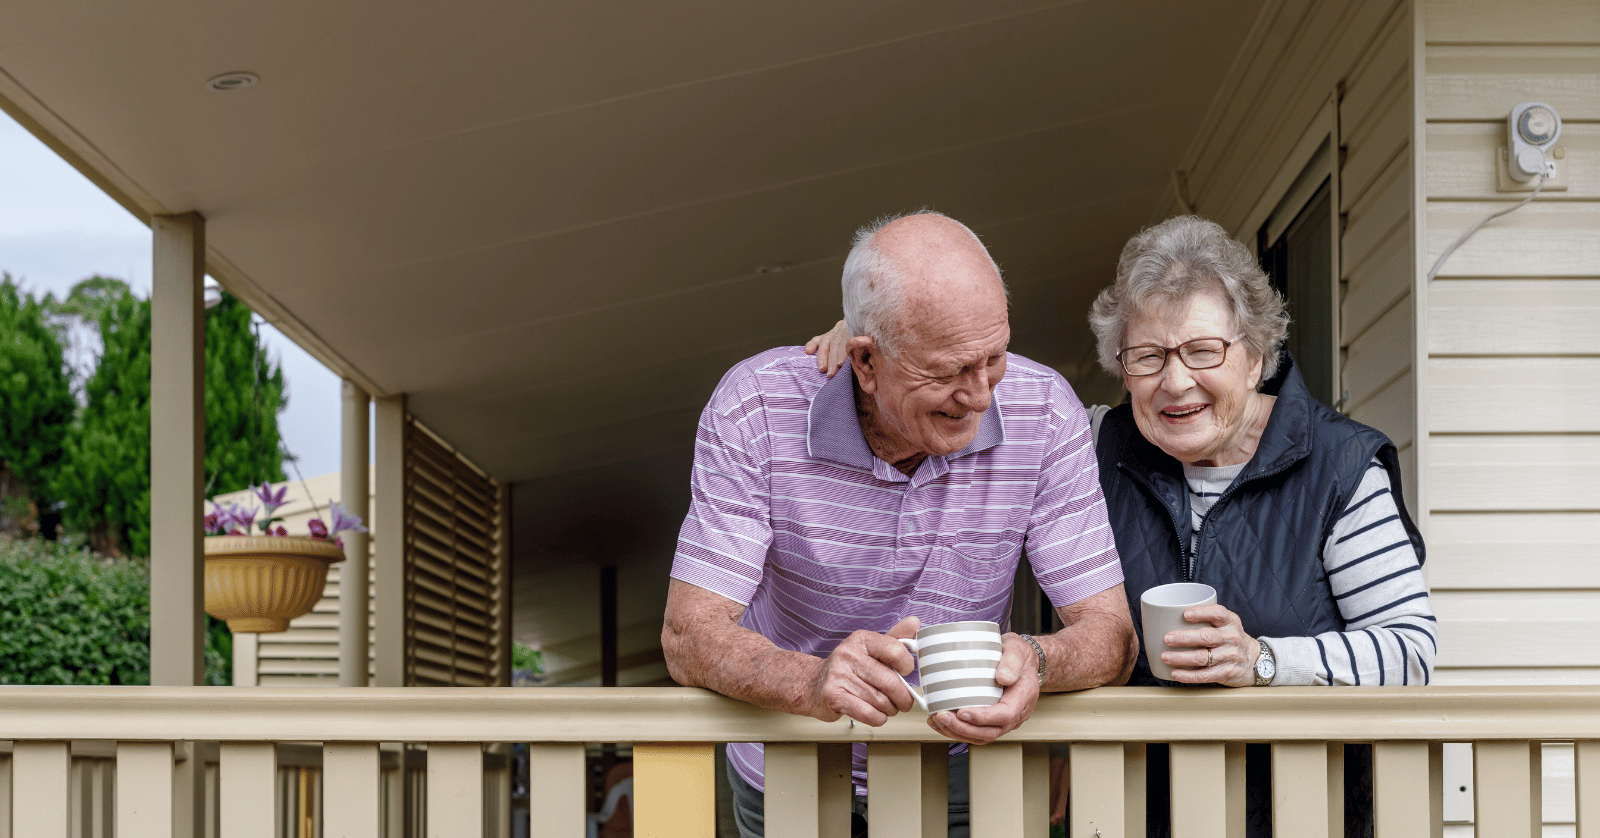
x,y
1261,546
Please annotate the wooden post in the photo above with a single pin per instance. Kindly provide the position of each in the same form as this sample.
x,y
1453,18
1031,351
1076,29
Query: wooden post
x,y
674,790
177,448
354,492
388,538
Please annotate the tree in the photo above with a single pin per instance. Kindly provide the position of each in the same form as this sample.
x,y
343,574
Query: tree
x,y
108,486
244,394
36,405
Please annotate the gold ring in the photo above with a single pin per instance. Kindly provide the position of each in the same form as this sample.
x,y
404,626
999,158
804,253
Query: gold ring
x,y
1208,658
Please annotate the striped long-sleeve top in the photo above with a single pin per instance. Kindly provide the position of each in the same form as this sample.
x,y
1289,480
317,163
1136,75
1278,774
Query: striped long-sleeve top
x,y
1390,636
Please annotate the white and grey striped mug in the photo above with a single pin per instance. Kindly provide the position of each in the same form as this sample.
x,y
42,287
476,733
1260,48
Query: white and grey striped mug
x,y
956,662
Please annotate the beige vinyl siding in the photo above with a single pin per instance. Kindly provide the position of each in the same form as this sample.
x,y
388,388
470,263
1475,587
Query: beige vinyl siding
x,y
1377,311
1301,56
1513,348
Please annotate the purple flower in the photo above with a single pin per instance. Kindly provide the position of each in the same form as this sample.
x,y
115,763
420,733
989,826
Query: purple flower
x,y
280,530
343,521
243,517
220,520
317,528
270,500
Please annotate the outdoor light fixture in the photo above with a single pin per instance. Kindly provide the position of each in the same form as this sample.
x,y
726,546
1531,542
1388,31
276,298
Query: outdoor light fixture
x,y
229,82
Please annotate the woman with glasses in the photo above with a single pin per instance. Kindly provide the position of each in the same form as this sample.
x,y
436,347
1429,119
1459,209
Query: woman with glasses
x,y
1222,468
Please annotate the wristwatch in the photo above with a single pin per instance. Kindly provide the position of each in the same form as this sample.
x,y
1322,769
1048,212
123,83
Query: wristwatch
x,y
1266,665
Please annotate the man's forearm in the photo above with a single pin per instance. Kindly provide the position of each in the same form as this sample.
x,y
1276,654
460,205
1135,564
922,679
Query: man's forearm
x,y
704,648
1097,650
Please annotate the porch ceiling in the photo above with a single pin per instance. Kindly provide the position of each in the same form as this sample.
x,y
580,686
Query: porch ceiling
x,y
545,222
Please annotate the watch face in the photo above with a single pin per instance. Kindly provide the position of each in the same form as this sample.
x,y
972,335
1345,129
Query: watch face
x,y
1265,668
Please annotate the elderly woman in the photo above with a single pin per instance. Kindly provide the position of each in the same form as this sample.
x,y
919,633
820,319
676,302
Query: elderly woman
x,y
1223,469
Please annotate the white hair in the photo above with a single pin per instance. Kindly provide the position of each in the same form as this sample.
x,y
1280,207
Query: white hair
x,y
1175,260
873,284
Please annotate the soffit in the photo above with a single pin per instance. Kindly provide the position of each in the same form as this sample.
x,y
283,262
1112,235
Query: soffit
x,y
543,222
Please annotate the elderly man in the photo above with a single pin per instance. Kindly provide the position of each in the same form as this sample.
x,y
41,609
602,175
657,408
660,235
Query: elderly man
x,y
830,516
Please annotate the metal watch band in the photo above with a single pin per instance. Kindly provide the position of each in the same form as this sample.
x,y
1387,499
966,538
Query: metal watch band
x,y
1272,661
1038,650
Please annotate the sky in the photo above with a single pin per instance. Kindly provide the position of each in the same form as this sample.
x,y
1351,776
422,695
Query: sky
x,y
57,228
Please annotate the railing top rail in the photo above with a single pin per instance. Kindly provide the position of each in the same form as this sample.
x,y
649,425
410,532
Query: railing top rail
x,y
676,714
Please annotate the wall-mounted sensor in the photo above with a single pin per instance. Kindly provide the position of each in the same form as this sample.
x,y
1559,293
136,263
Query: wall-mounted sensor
x,y
1534,128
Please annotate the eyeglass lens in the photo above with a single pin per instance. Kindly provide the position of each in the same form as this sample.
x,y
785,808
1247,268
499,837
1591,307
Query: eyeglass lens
x,y
1197,354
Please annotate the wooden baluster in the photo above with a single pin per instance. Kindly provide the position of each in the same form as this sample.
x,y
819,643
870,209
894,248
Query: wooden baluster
x,y
1401,801
808,790
39,784
1586,770
1507,778
1099,783
1200,788
144,790
556,788
1036,788
1135,789
997,790
674,789
350,781
247,785
1335,788
79,817
103,795
5,796
1300,789
894,773
455,790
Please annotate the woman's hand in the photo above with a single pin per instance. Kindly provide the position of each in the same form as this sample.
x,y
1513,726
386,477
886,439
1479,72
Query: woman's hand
x,y
1223,654
829,348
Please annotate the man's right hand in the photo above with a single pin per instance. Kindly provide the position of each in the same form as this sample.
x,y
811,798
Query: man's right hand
x,y
858,678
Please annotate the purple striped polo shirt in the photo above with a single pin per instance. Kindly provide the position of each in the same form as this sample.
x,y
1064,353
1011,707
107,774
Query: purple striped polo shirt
x,y
792,516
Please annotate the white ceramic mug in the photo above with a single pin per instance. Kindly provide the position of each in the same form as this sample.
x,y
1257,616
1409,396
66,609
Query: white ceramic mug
x,y
956,662
1161,611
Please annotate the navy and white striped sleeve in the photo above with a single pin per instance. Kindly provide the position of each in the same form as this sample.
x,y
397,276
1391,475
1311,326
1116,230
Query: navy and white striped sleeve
x,y
1391,634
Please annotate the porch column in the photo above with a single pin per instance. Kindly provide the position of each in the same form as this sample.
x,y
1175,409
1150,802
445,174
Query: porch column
x,y
389,536
177,449
355,491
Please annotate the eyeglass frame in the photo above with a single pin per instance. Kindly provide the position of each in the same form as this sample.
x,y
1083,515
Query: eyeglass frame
x,y
1168,351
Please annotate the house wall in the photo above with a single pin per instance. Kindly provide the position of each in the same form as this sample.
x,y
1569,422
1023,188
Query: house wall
x,y
1310,71
1512,326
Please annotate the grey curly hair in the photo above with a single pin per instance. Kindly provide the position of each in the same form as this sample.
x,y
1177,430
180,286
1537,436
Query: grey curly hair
x,y
1173,261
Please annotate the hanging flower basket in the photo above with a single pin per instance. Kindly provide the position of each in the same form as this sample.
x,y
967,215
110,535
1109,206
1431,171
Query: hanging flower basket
x,y
259,583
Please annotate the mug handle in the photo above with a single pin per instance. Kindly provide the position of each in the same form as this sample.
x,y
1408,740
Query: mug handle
x,y
916,694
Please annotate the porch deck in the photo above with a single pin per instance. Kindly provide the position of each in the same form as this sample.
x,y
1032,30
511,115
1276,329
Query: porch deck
x,y
152,792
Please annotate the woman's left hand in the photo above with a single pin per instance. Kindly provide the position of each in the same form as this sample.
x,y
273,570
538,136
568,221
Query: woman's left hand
x,y
1223,654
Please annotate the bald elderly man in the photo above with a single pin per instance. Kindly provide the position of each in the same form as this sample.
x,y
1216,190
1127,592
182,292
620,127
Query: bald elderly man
x,y
831,516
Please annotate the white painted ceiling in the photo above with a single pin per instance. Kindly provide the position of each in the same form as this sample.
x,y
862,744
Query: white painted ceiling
x,y
545,222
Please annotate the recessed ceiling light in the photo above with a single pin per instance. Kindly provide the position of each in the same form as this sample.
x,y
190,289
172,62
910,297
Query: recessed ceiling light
x,y
774,267
228,82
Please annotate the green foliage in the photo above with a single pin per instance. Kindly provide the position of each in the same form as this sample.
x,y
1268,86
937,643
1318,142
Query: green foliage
x,y
107,485
107,488
244,394
67,618
36,405
526,658
70,617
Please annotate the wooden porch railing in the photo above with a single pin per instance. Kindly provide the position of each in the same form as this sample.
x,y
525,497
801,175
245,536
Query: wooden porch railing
x,y
58,778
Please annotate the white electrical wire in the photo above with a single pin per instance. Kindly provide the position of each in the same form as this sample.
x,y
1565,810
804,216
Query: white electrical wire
x,y
1538,184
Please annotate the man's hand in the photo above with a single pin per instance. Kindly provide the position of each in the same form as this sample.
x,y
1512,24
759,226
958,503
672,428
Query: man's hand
x,y
858,678
1017,674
